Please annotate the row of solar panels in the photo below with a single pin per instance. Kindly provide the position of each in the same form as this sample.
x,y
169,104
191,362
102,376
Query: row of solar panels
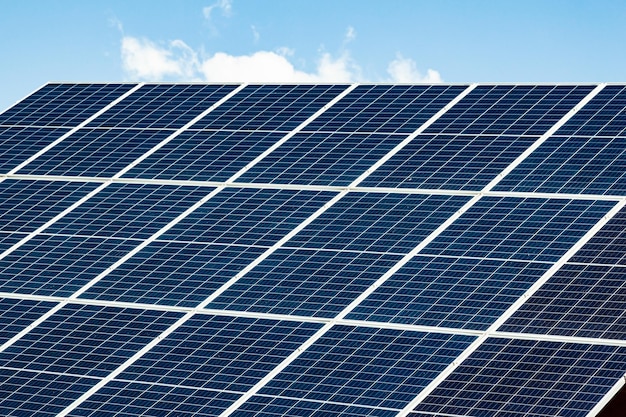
x,y
165,248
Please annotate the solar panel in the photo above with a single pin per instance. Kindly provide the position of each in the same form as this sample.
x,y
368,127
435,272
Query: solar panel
x,y
312,250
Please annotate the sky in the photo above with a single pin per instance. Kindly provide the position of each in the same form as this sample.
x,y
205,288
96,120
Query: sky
x,y
309,41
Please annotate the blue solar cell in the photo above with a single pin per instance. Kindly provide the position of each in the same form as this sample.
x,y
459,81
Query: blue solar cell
x,y
16,315
162,106
377,222
449,292
305,282
86,340
572,165
25,393
248,216
514,110
507,378
263,406
604,115
17,144
173,273
95,152
220,353
204,155
9,239
63,104
463,162
321,159
385,108
579,300
27,205
59,265
270,107
139,399
367,366
607,245
129,210
531,229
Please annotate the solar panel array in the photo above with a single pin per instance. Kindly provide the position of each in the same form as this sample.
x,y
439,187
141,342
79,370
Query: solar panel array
x,y
313,250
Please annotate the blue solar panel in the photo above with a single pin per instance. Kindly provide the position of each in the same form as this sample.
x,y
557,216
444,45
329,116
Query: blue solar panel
x,y
204,155
305,282
464,293
17,144
264,406
248,216
367,367
95,152
86,340
16,315
140,399
9,239
604,115
514,110
385,108
162,106
507,378
606,247
378,222
321,159
173,273
59,265
532,229
463,162
27,205
270,107
129,210
63,104
572,165
26,393
579,300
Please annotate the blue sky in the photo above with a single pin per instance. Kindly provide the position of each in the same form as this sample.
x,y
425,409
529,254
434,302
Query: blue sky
x,y
321,40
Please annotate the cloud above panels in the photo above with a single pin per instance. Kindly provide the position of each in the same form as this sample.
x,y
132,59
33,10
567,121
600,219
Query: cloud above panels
x,y
224,6
404,70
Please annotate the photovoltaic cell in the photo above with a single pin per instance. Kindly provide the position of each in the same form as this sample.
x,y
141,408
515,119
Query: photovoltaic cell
x,y
86,340
579,300
129,210
457,162
173,273
17,144
506,377
248,216
140,399
63,104
366,366
279,107
26,393
461,293
606,247
16,315
321,159
204,155
378,222
264,406
27,205
162,106
305,282
604,115
385,108
572,165
530,229
59,265
95,152
513,110
9,239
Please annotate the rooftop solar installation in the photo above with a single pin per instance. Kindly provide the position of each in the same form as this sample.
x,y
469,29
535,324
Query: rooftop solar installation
x,y
448,250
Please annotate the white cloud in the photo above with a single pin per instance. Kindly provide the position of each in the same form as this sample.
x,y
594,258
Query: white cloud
x,y
350,34
226,6
255,34
145,60
404,70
